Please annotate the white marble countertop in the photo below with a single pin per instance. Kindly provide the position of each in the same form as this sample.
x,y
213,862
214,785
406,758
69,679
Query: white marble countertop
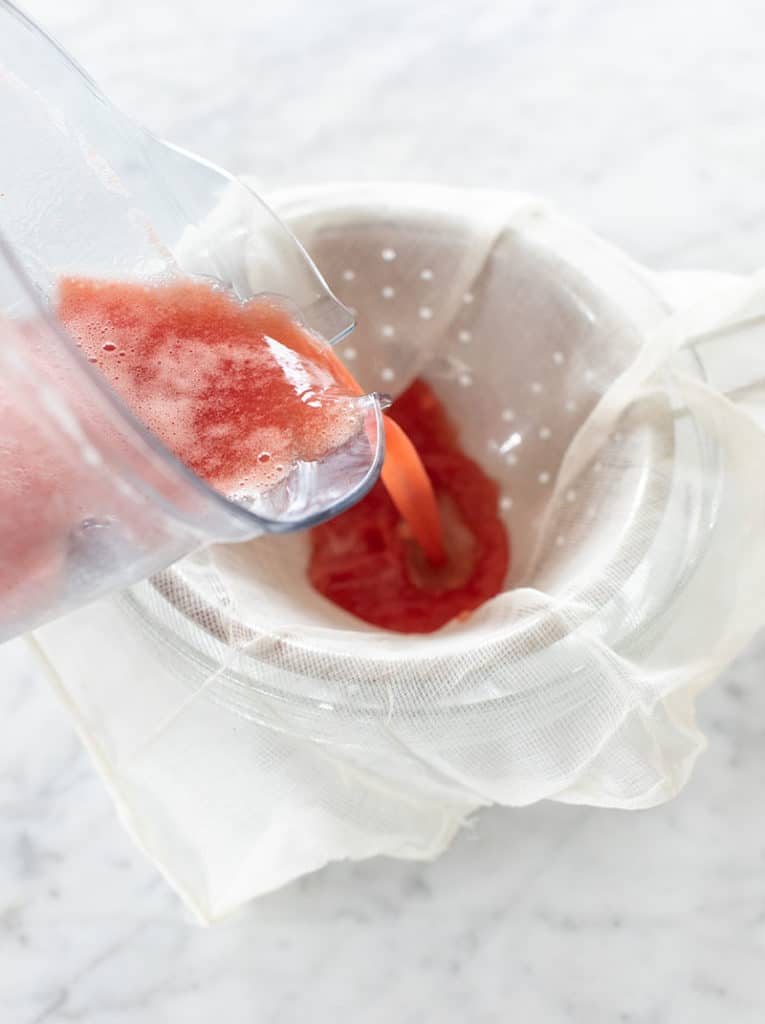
x,y
644,121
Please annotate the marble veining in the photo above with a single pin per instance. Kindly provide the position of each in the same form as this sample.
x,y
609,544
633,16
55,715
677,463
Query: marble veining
x,y
644,121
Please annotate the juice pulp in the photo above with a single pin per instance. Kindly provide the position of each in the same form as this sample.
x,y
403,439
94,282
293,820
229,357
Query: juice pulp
x,y
238,391
366,562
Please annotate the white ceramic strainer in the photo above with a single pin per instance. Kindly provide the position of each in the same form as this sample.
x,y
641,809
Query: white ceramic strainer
x,y
518,328
251,731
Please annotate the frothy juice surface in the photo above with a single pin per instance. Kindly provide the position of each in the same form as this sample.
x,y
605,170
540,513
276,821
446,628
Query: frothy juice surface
x,y
238,391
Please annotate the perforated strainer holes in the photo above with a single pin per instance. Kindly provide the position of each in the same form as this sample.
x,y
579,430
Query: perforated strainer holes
x,y
349,352
507,415
426,313
505,502
544,477
570,405
387,330
426,274
388,292
545,433
465,337
387,374
558,358
388,255
467,298
465,380
348,275
536,387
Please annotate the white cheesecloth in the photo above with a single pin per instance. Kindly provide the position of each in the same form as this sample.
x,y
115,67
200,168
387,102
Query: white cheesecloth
x,y
250,731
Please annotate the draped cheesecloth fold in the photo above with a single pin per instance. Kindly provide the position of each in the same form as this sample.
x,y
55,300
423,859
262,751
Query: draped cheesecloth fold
x,y
250,732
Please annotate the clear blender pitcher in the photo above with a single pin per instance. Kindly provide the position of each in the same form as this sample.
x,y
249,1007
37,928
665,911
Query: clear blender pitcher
x,y
90,500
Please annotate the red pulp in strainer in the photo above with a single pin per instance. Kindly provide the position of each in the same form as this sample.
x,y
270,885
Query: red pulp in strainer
x,y
366,562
